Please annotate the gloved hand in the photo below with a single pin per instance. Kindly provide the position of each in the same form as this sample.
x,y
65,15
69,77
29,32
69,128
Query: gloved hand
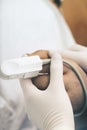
x,y
77,53
49,109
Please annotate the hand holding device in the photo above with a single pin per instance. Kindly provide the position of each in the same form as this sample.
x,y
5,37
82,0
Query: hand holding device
x,y
49,109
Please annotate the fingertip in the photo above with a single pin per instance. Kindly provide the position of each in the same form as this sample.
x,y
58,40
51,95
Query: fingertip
x,y
51,52
56,59
55,54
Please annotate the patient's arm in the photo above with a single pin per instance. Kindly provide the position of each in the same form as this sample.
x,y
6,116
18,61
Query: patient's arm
x,y
72,84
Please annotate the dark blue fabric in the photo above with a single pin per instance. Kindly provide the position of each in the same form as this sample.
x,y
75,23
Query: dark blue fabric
x,y
81,122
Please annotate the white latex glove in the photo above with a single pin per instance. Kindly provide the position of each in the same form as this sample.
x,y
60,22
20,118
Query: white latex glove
x,y
49,109
77,53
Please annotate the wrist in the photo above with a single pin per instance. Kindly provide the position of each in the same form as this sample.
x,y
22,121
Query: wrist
x,y
66,124
63,128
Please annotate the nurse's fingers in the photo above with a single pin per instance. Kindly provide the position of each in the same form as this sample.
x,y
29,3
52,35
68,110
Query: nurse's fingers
x,y
56,71
77,47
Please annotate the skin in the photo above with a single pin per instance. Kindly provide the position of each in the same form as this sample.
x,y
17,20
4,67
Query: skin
x,y
72,84
75,14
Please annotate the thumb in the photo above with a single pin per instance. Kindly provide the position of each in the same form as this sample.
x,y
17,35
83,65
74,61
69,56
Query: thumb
x,y
56,70
28,87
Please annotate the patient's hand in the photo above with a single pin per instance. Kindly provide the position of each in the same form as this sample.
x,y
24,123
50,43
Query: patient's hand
x,y
72,84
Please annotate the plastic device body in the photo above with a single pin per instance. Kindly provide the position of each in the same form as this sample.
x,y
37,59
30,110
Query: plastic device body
x,y
24,67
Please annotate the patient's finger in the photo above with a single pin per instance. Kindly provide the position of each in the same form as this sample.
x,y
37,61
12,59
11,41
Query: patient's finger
x,y
41,82
43,54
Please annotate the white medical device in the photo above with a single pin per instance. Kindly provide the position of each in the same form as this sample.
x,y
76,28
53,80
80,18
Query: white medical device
x,y
24,67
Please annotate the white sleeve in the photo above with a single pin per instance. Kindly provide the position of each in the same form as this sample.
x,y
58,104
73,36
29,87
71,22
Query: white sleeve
x,y
10,116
